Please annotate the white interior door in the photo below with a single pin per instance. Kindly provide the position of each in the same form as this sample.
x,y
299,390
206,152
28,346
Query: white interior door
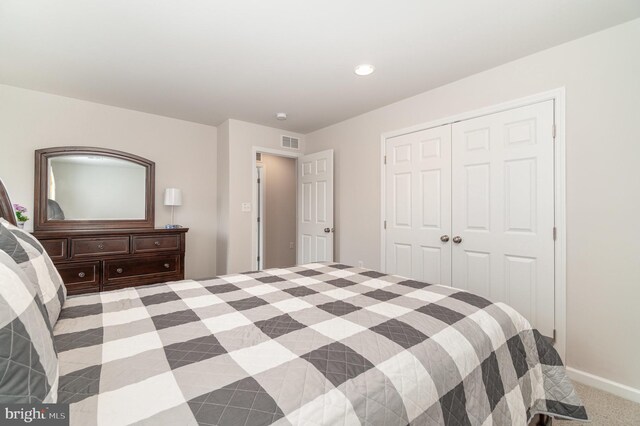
x,y
315,207
418,205
503,210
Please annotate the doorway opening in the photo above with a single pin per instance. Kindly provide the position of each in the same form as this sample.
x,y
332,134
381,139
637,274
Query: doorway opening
x,y
276,204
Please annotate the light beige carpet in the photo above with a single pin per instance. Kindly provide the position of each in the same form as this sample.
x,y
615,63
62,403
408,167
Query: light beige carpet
x,y
605,409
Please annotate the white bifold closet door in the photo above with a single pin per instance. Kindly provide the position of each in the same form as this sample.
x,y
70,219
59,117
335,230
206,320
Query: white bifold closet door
x,y
471,205
503,210
418,208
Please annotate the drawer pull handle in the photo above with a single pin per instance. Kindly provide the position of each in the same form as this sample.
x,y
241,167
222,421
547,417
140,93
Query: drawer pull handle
x,y
156,243
100,246
82,274
119,270
167,266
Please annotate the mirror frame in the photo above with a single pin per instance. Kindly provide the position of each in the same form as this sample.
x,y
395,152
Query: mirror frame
x,y
41,223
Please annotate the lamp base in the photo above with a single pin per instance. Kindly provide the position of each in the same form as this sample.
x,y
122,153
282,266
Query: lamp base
x,y
172,226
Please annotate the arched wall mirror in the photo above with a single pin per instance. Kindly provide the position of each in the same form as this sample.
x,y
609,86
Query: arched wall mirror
x,y
92,188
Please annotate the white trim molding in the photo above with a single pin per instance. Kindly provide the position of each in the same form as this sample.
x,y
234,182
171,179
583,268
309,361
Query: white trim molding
x,y
606,385
558,96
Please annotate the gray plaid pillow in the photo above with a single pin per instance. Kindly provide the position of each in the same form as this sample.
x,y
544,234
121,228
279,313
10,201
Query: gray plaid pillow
x,y
28,360
27,252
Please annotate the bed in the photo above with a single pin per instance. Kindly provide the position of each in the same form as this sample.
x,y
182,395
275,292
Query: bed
x,y
317,344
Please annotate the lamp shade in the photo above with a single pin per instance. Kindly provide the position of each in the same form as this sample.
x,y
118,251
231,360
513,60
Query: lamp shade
x,y
172,197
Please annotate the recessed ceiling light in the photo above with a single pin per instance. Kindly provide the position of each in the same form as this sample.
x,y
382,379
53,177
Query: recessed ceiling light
x,y
281,116
364,69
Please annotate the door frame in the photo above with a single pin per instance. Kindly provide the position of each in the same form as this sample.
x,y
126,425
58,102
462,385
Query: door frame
x,y
560,215
260,191
254,196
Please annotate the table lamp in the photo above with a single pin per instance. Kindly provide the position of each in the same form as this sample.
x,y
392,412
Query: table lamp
x,y
173,198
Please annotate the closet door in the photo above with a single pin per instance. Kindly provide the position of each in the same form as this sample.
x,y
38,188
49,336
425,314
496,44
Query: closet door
x,y
418,205
503,210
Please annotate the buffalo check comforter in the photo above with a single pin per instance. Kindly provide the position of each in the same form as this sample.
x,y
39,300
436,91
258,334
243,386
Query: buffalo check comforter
x,y
320,344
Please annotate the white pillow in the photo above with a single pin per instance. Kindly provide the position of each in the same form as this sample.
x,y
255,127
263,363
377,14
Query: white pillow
x,y
28,358
29,254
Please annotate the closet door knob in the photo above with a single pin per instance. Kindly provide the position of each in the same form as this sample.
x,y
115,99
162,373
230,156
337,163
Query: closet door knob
x,y
444,238
457,239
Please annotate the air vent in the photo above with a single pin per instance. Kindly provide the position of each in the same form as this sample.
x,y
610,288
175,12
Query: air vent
x,y
290,142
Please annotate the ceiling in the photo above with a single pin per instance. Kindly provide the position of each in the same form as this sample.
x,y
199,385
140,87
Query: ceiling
x,y
206,61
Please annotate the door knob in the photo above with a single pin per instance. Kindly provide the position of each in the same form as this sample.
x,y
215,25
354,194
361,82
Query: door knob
x,y
327,230
444,238
457,239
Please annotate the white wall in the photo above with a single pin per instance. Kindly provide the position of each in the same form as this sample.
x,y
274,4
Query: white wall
x,y
601,74
222,206
184,153
237,141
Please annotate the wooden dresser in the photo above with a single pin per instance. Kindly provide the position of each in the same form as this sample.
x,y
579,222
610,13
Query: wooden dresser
x,y
102,260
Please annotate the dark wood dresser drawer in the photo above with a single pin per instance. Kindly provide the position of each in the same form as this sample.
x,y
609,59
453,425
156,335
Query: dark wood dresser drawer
x,y
95,260
56,249
151,243
91,247
142,267
80,277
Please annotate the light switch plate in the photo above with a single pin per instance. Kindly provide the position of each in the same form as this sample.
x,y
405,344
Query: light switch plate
x,y
245,207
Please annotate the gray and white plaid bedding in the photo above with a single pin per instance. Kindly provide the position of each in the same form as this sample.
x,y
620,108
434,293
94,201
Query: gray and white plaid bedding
x,y
321,344
27,252
28,361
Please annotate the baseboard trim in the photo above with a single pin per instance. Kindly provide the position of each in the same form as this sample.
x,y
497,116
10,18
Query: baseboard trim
x,y
615,388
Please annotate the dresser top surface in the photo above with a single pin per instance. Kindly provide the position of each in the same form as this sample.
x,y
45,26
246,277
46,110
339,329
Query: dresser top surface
x,y
100,232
